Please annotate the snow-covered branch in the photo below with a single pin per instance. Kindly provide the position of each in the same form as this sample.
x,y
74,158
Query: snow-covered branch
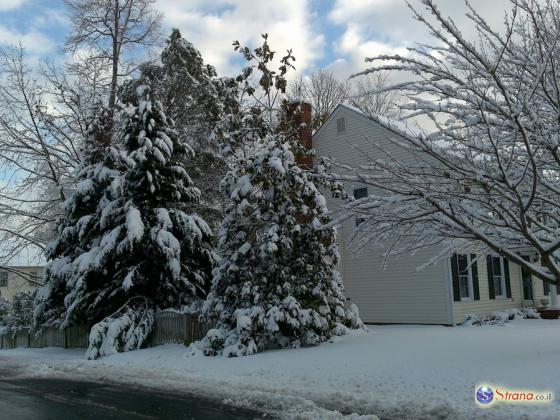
x,y
488,174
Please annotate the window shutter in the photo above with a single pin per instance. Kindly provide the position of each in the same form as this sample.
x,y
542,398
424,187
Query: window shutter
x,y
506,273
545,288
474,271
491,292
455,277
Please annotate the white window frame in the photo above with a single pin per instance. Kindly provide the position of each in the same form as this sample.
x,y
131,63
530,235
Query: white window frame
x,y
470,297
502,279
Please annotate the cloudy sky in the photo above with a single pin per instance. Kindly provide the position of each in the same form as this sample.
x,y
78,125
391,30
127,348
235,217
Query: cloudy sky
x,y
322,33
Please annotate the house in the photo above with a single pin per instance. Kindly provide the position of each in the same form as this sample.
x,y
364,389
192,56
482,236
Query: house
x,y
442,293
16,279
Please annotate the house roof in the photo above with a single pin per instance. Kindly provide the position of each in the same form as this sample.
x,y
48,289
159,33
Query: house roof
x,y
398,127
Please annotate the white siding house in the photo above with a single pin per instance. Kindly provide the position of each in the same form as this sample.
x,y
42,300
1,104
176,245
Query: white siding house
x,y
401,293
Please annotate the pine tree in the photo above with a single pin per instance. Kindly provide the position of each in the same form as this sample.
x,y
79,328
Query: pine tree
x,y
159,256
158,186
98,174
4,309
195,99
277,282
20,313
139,251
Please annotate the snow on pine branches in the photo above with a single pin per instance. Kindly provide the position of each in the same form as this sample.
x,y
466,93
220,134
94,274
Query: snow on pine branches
x,y
125,330
277,282
78,234
137,244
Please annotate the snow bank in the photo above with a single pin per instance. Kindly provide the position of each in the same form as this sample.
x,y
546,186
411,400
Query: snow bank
x,y
392,372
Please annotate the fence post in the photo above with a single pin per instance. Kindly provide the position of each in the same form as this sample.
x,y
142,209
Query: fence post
x,y
65,339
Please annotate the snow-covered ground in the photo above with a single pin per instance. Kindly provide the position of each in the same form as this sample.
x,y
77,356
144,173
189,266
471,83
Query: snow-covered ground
x,y
391,371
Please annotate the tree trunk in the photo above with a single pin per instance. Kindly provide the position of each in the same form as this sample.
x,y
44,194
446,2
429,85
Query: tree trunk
x,y
115,72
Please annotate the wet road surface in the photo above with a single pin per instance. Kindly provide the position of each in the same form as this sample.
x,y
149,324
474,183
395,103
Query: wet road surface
x,y
45,399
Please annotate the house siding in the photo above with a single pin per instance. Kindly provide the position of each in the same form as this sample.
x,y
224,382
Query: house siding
x,y
17,283
399,293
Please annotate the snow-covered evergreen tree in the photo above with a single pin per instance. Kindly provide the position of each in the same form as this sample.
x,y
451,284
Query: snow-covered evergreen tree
x,y
20,313
195,99
277,282
139,251
77,233
4,309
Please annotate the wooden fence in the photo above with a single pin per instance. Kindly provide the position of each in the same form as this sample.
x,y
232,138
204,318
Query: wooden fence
x,y
169,328
176,328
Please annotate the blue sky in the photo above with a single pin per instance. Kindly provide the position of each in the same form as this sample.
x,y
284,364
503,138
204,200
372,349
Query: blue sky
x,y
337,34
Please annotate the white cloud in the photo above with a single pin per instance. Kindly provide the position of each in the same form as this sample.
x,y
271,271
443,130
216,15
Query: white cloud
x,y
213,25
373,27
10,4
33,40
50,18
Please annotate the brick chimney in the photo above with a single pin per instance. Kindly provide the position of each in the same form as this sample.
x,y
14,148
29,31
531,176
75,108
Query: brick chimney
x,y
299,113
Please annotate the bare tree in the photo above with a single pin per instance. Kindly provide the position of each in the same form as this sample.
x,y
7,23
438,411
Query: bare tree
x,y
323,90
371,97
42,123
48,113
489,174
110,30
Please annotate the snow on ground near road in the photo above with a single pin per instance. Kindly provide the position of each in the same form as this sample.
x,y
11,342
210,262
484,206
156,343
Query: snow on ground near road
x,y
392,371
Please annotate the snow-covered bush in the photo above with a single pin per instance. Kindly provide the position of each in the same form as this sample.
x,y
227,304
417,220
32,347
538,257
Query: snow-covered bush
x,y
277,282
500,317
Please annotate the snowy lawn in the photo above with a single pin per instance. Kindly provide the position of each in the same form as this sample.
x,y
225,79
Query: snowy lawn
x,y
392,371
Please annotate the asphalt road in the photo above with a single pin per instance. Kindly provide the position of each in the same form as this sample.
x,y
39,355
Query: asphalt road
x,y
45,399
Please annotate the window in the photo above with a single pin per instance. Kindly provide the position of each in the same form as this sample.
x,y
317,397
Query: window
x,y
527,281
340,125
3,279
465,277
360,193
498,277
